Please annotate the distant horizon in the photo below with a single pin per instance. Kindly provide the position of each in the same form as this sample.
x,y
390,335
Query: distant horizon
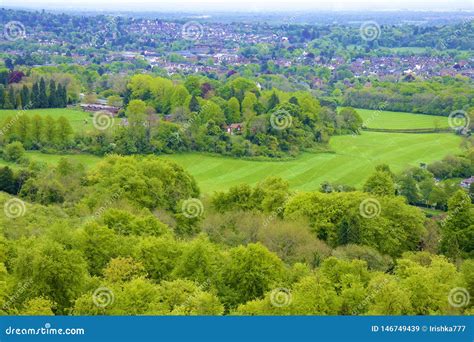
x,y
243,6
228,11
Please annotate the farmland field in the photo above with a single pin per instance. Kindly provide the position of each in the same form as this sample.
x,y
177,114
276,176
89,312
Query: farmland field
x,y
79,120
400,120
353,161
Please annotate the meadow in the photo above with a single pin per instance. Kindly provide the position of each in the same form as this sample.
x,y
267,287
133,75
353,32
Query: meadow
x,y
400,120
79,119
352,161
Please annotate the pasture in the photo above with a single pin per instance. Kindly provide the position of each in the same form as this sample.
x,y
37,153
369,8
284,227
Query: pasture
x,y
80,120
400,120
353,160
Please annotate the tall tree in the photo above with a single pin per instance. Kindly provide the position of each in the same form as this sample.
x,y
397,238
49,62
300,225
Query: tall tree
x,y
53,98
7,101
7,180
234,110
457,234
43,97
273,101
380,183
49,131
37,126
35,97
25,96
194,104
63,132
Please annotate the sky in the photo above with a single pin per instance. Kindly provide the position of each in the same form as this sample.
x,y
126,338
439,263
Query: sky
x,y
244,5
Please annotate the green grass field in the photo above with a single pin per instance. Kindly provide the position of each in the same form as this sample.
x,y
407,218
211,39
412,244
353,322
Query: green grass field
x,y
353,161
87,160
400,120
76,117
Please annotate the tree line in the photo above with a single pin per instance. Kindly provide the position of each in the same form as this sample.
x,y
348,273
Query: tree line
x,y
38,96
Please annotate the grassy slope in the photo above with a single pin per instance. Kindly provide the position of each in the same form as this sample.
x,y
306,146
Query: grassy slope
x,y
354,160
400,120
76,117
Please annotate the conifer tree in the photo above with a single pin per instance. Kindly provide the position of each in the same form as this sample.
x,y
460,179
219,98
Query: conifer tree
x,y
273,101
7,103
25,96
43,97
53,99
35,98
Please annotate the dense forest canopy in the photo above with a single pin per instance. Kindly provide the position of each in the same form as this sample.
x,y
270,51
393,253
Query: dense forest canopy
x,y
135,233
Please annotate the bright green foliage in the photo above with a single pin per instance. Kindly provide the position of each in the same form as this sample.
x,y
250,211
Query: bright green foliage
x,y
380,184
159,256
51,270
38,307
201,261
385,223
121,270
457,238
151,182
14,152
249,273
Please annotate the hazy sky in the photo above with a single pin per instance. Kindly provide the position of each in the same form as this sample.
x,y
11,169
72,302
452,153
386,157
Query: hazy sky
x,y
245,5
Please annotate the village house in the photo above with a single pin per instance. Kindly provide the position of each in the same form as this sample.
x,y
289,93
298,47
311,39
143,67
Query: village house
x,y
466,183
95,107
235,128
